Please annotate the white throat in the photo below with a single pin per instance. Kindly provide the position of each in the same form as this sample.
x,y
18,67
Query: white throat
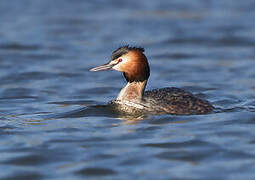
x,y
132,91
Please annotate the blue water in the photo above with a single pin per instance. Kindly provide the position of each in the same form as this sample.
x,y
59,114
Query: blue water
x,y
47,129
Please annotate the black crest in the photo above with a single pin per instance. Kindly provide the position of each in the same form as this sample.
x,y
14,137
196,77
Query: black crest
x,y
124,50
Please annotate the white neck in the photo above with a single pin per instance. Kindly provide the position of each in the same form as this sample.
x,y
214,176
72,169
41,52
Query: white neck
x,y
132,91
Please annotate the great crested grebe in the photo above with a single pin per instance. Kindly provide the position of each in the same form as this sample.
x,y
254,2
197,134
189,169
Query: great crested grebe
x,y
133,97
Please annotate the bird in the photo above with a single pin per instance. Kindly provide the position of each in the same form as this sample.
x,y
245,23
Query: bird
x,y
133,98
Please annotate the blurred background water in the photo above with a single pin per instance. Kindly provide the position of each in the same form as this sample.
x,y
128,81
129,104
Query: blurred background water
x,y
46,49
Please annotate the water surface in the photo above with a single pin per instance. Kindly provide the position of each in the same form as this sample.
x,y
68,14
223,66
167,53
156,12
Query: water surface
x,y
47,129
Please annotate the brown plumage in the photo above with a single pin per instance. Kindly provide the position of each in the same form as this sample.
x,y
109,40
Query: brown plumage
x,y
138,69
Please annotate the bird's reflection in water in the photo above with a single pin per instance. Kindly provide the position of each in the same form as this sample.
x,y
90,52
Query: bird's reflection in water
x,y
100,111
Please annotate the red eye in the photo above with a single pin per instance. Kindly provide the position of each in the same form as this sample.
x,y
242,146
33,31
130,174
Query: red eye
x,y
120,60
